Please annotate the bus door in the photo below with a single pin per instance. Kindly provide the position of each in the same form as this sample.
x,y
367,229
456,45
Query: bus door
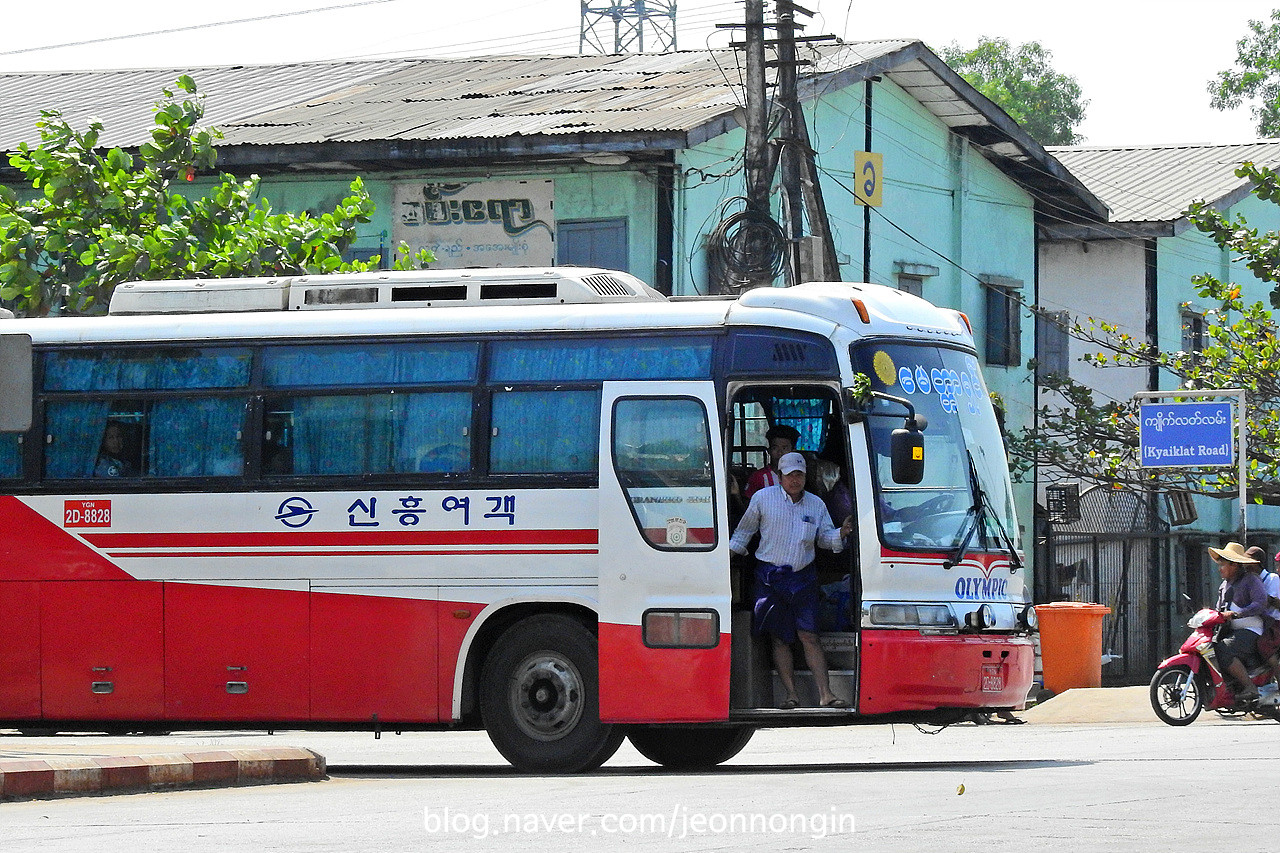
x,y
664,573
811,413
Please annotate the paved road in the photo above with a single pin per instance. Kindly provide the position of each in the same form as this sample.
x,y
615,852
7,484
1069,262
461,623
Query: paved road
x,y
1129,787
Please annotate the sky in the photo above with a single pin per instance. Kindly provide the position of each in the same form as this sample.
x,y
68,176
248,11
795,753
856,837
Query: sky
x,y
1143,65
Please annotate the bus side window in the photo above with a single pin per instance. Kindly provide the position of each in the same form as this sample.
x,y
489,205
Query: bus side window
x,y
196,437
545,432
662,456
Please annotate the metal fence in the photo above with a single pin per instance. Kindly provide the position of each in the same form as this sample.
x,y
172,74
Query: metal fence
x,y
1118,554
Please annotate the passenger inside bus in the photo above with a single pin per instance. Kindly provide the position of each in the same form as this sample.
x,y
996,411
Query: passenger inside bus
x,y
782,439
827,481
111,460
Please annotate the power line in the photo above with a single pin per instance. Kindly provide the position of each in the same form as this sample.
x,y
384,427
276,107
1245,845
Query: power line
x,y
563,36
192,27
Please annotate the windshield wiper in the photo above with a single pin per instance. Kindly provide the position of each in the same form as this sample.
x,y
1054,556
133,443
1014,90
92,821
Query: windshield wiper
x,y
973,523
972,520
1015,562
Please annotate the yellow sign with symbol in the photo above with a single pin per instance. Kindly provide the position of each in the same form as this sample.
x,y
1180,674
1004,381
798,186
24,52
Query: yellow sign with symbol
x,y
868,172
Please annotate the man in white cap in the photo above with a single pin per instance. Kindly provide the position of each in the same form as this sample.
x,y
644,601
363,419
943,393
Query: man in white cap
x,y
791,522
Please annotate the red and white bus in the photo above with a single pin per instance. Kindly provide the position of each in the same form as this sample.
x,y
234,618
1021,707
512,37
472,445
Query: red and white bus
x,y
491,498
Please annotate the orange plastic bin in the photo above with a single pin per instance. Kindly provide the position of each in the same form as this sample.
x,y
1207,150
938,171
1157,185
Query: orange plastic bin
x,y
1071,644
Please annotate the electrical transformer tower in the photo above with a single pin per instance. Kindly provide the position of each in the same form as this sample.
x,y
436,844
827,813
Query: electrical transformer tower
x,y
633,21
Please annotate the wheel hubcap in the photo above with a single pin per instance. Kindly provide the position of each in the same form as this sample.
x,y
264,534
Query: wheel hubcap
x,y
547,696
1178,692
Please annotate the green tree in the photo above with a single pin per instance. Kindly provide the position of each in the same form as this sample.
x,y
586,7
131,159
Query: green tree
x,y
1047,105
95,218
1098,439
1255,77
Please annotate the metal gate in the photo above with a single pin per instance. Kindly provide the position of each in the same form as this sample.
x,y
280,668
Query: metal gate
x,y
1117,554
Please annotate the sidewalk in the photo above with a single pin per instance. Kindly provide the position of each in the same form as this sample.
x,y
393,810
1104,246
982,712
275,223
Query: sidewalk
x,y
1086,705
86,765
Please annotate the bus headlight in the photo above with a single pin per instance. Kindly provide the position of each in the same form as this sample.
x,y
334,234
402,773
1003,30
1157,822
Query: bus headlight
x,y
911,616
1027,618
981,619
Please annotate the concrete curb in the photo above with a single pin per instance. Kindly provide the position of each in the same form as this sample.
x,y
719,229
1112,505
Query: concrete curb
x,y
58,776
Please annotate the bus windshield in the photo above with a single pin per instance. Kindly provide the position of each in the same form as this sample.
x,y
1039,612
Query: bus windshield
x,y
964,451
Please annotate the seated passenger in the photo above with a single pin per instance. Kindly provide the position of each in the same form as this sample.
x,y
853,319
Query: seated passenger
x,y
782,439
827,482
111,461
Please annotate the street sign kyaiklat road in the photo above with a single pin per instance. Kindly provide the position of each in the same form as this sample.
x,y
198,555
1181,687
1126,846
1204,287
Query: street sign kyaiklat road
x,y
1183,435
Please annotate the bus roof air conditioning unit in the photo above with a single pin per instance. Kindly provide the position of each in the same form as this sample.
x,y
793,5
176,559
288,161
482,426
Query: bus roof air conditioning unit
x,y
397,289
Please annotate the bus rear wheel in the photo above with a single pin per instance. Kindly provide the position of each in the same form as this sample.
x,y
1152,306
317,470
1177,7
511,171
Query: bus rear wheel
x,y
686,748
539,697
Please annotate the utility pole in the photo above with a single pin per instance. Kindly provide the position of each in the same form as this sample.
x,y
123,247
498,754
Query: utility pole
x,y
801,186
761,250
757,151
788,139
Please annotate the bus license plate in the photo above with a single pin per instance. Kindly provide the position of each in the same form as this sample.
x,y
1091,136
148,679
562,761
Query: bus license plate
x,y
992,678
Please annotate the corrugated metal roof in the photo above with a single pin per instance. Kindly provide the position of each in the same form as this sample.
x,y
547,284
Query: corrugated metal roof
x,y
377,104
123,99
316,101
298,100
1156,183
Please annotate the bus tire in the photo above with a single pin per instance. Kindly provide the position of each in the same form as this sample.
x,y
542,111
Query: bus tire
x,y
689,748
540,697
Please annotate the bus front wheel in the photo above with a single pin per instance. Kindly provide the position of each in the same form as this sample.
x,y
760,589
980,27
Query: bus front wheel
x,y
690,748
539,697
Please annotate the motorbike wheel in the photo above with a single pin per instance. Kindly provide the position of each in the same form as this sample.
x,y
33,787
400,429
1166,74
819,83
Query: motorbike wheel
x,y
1177,696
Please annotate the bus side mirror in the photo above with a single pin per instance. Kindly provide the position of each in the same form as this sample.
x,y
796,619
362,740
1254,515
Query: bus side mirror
x,y
15,383
906,455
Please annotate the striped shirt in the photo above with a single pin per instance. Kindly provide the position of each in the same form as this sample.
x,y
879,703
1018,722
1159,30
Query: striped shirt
x,y
788,529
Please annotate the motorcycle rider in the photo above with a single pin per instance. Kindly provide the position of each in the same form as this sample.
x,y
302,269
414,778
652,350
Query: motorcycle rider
x,y
1242,600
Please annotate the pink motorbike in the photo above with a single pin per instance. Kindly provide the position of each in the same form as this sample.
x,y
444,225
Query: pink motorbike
x,y
1192,680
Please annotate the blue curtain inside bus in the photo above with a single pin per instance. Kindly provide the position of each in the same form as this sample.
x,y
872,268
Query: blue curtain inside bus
x,y
381,433
545,432
75,430
807,416
429,432
370,364
597,360
196,438
127,370
10,457
332,435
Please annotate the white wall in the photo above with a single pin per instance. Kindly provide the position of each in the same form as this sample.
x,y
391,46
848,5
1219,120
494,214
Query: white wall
x,y
1104,280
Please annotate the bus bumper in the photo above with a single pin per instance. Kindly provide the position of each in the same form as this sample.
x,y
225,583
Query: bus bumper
x,y
909,671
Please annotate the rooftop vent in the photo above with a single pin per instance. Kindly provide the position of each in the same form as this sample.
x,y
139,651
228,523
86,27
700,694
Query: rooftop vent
x,y
606,284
